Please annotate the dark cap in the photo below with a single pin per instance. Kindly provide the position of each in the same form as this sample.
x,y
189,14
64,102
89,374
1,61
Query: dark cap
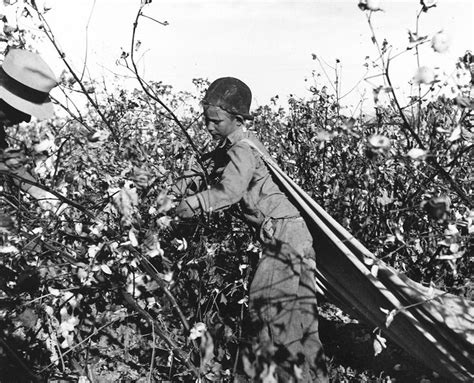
x,y
231,95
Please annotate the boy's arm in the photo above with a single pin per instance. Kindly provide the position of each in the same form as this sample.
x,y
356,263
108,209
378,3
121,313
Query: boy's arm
x,y
231,188
192,180
188,184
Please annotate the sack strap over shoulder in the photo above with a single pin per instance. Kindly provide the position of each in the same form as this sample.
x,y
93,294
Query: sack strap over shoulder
x,y
266,158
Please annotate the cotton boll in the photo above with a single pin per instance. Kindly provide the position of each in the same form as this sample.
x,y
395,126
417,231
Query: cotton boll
x,y
373,5
462,77
440,42
424,75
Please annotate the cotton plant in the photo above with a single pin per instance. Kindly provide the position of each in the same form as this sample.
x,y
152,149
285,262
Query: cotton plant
x,y
433,88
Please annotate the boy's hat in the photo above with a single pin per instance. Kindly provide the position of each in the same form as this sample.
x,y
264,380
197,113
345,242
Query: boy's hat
x,y
230,94
25,83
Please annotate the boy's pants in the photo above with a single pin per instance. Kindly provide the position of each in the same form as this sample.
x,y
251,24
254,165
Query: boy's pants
x,y
283,299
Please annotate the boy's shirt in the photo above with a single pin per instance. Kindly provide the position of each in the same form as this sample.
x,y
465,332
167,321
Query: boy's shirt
x,y
242,177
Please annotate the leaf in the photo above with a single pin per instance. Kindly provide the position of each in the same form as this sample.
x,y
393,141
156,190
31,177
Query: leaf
x,y
164,222
242,267
133,238
197,331
6,223
268,374
78,226
456,134
43,146
249,367
437,207
28,318
93,250
427,4
413,38
390,239
454,248
126,201
417,154
465,102
323,135
451,257
368,261
164,202
182,244
54,291
399,235
151,245
106,269
207,349
431,291
243,301
452,264
298,371
384,199
168,277
141,177
223,299
390,317
138,44
379,344
374,270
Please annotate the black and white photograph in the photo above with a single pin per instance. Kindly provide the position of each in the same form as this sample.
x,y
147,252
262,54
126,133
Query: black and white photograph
x,y
236,191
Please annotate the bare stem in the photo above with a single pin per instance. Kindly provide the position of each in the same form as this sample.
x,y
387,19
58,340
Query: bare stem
x,y
153,353
171,344
49,34
376,42
158,100
54,193
431,159
151,270
79,119
418,66
19,360
406,126
95,332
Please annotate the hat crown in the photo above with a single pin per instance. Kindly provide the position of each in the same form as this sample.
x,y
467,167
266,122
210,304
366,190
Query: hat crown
x,y
230,94
29,69
25,83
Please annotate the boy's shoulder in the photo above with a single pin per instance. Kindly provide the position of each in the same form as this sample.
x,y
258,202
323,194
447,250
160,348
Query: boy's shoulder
x,y
249,141
244,138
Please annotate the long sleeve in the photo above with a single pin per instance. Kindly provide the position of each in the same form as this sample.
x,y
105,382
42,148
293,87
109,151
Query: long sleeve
x,y
192,180
188,184
234,182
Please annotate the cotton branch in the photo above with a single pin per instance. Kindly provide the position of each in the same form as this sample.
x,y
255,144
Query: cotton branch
x,y
150,269
22,363
49,34
406,126
156,325
431,159
54,193
156,98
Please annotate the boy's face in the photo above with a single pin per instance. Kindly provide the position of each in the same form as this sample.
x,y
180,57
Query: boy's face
x,y
219,123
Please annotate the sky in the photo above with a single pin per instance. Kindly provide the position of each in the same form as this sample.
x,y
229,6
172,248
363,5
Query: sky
x,y
266,43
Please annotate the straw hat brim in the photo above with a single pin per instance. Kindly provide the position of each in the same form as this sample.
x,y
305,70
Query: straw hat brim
x,y
41,111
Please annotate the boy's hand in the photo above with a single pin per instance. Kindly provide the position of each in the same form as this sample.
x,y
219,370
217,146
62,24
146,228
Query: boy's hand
x,y
188,207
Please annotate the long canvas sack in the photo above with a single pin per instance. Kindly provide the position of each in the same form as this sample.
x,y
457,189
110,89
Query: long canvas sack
x,y
435,327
